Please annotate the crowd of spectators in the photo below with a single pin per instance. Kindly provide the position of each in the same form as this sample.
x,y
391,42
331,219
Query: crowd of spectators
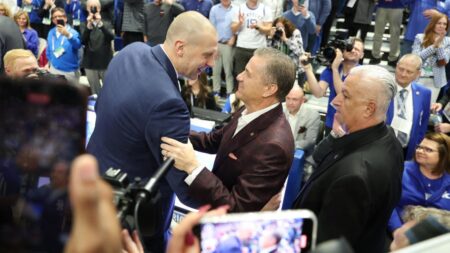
x,y
79,37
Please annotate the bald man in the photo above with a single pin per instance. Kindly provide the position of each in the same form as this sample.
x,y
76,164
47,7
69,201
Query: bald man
x,y
409,111
357,181
304,121
141,102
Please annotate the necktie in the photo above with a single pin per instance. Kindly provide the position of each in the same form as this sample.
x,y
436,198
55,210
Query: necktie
x,y
401,112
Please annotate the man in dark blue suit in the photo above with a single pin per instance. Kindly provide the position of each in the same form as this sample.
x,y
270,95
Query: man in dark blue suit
x,y
141,102
409,111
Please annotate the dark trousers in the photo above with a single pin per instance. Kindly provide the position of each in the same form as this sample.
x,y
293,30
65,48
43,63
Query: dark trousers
x,y
352,26
328,23
241,58
130,37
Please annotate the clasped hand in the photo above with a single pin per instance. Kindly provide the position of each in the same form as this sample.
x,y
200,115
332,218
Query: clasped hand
x,y
182,153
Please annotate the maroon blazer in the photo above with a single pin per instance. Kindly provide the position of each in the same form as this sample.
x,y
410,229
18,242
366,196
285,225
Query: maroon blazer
x,y
250,167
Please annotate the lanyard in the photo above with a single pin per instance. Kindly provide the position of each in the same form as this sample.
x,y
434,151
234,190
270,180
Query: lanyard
x,y
53,40
74,8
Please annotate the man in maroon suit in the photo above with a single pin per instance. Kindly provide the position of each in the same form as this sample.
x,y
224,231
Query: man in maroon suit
x,y
254,151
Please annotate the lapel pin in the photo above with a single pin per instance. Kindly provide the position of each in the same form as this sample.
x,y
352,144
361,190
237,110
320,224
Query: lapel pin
x,y
251,134
417,93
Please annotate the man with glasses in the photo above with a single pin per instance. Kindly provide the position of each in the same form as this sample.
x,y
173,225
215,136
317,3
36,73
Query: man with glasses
x,y
62,49
409,111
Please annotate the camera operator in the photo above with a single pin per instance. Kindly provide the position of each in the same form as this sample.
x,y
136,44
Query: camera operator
x,y
333,76
288,39
97,39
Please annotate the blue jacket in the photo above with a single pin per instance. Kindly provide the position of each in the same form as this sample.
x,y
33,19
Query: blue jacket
x,y
421,115
35,5
140,103
306,26
69,61
76,10
321,10
417,21
413,193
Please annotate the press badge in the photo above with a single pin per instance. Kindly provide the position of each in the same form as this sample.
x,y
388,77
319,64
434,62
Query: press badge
x,y
27,8
46,21
401,125
76,22
58,52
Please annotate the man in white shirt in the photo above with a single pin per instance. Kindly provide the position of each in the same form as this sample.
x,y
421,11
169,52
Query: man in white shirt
x,y
254,151
409,111
252,22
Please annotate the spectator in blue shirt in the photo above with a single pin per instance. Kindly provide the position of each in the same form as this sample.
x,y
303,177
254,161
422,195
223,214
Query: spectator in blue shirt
x,y
62,48
202,6
221,16
29,34
420,13
321,10
304,20
426,180
76,14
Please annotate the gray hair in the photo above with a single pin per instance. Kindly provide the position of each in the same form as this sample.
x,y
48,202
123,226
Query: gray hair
x,y
279,70
413,57
419,213
382,80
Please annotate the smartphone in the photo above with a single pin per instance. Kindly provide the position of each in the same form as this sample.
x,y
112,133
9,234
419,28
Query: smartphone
x,y
60,22
42,129
286,231
301,2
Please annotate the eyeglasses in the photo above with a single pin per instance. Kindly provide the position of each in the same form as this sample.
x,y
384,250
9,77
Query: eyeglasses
x,y
425,149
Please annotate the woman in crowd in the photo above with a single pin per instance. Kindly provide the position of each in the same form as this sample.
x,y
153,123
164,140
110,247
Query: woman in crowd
x,y
97,39
29,34
197,93
433,47
5,10
288,39
443,104
426,179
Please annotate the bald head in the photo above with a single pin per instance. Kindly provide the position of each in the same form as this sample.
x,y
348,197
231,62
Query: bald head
x,y
295,99
408,69
189,26
191,44
413,59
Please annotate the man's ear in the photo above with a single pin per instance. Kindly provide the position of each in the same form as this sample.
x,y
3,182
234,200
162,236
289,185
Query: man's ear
x,y
270,90
179,48
371,109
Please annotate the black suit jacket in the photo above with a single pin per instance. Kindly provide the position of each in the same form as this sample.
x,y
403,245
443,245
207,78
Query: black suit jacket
x,y
355,187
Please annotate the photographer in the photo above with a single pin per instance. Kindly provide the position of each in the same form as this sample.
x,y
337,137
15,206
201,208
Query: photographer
x,y
334,75
286,38
97,51
62,49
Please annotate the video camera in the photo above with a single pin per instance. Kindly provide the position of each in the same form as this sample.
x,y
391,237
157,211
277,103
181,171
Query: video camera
x,y
136,200
43,74
329,52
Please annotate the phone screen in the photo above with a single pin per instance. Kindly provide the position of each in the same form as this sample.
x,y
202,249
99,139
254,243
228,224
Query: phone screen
x,y
42,129
60,22
259,232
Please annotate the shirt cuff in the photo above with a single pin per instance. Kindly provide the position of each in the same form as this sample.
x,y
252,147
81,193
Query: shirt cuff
x,y
191,177
70,35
